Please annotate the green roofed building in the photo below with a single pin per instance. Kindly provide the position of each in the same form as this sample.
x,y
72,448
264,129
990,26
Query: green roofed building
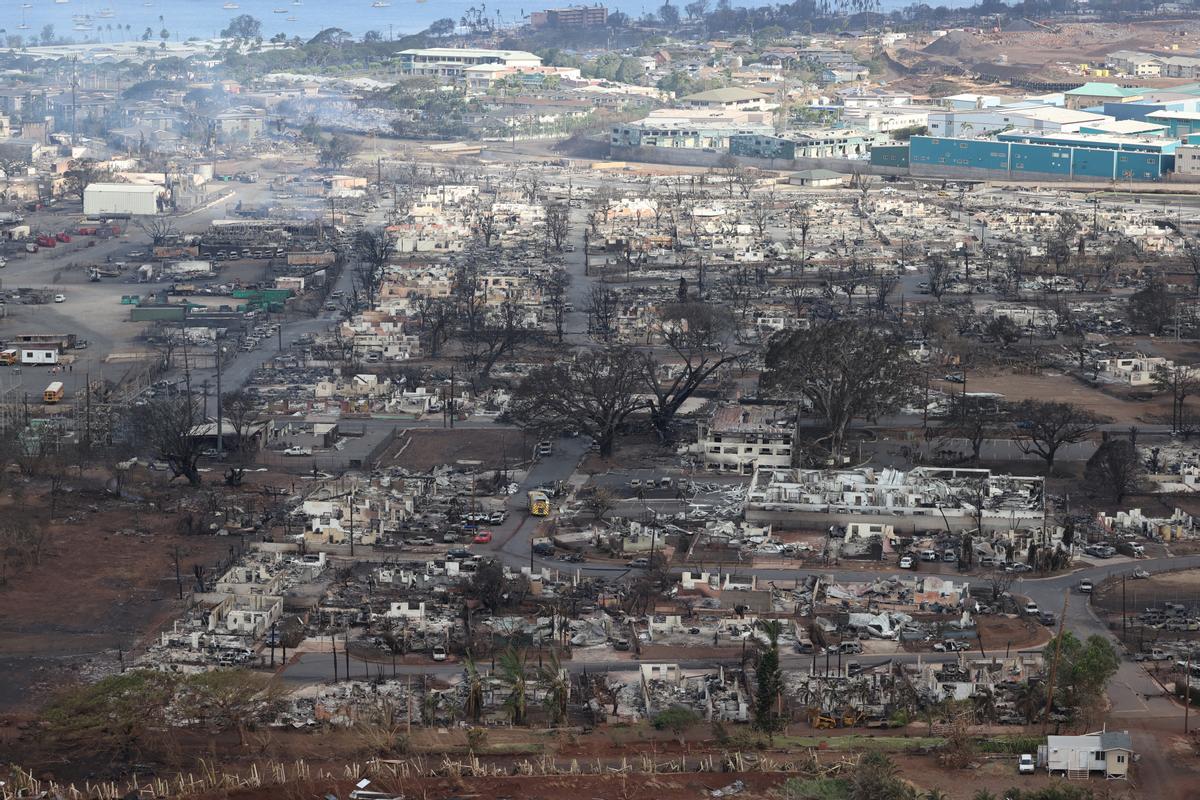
x,y
1097,94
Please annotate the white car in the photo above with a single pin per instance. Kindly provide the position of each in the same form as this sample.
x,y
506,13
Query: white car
x,y
60,298
906,562
1031,607
298,451
439,653
1025,764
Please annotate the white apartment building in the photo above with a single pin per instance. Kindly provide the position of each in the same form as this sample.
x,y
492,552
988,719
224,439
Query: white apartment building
x,y
453,62
741,439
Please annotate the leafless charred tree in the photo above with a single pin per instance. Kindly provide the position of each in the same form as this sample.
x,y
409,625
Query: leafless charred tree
x,y
854,276
602,201
939,273
558,224
1042,428
555,296
373,250
885,284
1181,383
973,419
603,306
1015,259
161,230
437,319
760,214
594,393
699,339
1191,255
736,290
531,184
1060,240
499,333
1003,330
1152,307
169,425
800,218
240,410
1109,262
843,370
80,173
1115,469
486,225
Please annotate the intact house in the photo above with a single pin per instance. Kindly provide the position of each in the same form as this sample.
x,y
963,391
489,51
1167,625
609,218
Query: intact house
x,y
743,438
1109,752
244,124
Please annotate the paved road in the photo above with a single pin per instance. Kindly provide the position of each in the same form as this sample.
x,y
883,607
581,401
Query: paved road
x,y
317,667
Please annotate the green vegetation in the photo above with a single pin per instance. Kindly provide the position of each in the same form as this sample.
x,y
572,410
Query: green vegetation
x,y
1084,670
877,778
815,789
676,719
890,744
117,716
768,699
1011,744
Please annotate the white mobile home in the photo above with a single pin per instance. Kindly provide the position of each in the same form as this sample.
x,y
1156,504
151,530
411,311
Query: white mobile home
x,y
39,355
1107,752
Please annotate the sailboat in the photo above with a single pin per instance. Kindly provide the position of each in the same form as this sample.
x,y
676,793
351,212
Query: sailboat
x,y
24,26
381,4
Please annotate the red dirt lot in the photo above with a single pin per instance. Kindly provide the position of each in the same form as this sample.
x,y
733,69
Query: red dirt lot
x,y
423,449
100,586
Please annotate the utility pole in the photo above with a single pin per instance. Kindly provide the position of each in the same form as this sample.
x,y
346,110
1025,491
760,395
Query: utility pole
x,y
220,435
333,645
1054,664
1187,692
74,102
178,577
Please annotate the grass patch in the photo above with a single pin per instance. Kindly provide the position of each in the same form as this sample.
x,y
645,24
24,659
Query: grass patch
x,y
882,743
815,789
1014,745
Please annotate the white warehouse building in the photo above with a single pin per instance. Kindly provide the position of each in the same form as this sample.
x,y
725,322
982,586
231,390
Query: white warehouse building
x,y
121,199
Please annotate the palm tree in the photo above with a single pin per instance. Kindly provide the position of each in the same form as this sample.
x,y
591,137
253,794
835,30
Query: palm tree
x,y
1030,700
768,703
473,709
983,794
511,674
936,794
983,702
553,678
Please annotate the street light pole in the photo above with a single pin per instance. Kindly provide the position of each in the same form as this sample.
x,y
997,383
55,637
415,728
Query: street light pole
x,y
220,435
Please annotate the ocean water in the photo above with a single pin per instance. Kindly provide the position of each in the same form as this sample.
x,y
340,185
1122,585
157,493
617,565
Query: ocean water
x,y
206,18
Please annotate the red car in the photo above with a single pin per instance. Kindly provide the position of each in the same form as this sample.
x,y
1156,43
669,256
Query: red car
x,y
63,237
483,537
46,241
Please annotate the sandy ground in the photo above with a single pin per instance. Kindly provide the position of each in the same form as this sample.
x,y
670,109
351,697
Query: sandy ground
x,y
1114,403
